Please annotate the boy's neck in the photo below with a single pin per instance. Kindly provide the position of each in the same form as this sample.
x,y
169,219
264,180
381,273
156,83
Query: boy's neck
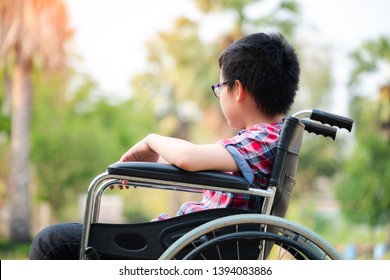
x,y
264,119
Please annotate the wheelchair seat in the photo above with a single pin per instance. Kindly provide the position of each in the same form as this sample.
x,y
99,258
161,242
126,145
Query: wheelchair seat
x,y
147,241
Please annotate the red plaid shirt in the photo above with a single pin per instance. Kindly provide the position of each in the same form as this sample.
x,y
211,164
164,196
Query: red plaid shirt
x,y
253,150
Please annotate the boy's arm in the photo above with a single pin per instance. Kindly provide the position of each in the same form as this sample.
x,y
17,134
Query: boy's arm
x,y
182,153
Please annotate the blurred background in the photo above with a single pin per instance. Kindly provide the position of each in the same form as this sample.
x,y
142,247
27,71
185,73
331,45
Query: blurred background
x,y
81,81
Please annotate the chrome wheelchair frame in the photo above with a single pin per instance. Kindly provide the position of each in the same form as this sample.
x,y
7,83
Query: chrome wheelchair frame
x,y
215,233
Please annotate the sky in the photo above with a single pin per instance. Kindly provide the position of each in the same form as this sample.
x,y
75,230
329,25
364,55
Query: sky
x,y
110,34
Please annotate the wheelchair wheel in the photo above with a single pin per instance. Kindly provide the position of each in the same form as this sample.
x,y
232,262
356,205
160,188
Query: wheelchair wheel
x,y
251,236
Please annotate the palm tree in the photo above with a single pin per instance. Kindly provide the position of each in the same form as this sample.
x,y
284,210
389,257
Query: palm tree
x,y
32,33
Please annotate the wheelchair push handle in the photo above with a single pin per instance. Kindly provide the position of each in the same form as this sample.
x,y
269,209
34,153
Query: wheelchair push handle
x,y
320,129
332,119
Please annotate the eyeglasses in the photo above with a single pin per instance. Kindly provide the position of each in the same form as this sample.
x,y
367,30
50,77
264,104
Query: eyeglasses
x,y
217,88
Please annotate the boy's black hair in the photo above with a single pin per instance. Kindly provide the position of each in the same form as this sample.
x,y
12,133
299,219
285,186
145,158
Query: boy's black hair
x,y
267,66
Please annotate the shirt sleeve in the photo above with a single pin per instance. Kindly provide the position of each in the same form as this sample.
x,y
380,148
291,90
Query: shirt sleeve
x,y
254,150
241,163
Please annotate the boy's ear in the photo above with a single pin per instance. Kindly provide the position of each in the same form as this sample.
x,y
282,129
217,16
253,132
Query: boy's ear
x,y
240,92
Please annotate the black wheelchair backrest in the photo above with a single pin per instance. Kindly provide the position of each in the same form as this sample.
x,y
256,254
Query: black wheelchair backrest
x,y
286,163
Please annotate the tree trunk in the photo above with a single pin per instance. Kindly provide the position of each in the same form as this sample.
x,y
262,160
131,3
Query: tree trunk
x,y
19,156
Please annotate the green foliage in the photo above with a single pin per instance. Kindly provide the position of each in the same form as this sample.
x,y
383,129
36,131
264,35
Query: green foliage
x,y
365,181
76,136
5,120
278,15
208,6
182,66
319,157
5,130
369,57
11,251
5,124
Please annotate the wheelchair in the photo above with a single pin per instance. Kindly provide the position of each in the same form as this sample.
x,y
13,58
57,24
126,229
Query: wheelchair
x,y
215,234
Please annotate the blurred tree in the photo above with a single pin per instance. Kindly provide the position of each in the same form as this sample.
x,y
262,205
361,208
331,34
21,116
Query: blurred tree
x,y
182,65
4,136
318,155
32,33
373,58
365,181
78,136
279,16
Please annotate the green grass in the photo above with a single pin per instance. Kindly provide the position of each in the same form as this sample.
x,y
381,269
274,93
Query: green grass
x,y
9,251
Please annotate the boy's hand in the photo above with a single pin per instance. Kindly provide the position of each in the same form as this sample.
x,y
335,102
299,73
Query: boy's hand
x,y
140,152
121,187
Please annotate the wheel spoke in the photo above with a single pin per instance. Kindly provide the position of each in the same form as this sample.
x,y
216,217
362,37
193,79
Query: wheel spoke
x,y
282,240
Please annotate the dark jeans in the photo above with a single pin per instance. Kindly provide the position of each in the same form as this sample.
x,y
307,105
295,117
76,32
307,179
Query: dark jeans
x,y
57,242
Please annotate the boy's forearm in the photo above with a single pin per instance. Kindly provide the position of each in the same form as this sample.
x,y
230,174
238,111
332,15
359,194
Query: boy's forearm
x,y
167,147
189,156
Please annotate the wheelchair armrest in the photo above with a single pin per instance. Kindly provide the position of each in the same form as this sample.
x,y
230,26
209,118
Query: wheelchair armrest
x,y
169,172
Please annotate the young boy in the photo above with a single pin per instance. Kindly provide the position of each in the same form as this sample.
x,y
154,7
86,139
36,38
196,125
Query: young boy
x,y
258,82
